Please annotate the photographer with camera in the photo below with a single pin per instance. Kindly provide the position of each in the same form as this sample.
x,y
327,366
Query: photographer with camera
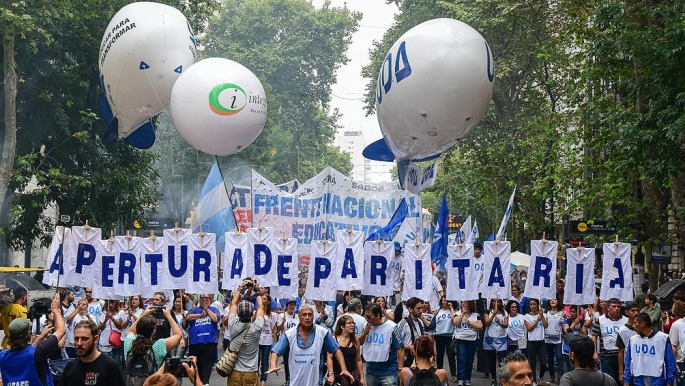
x,y
203,333
140,348
25,363
172,369
245,333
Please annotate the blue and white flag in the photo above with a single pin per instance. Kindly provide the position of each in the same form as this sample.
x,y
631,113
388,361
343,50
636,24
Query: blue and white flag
x,y
439,248
507,214
464,231
388,232
214,211
473,236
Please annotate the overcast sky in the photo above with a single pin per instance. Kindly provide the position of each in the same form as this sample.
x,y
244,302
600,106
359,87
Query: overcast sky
x,y
348,92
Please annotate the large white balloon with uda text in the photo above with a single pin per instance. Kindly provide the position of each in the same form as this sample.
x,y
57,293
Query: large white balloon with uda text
x,y
218,106
434,86
145,49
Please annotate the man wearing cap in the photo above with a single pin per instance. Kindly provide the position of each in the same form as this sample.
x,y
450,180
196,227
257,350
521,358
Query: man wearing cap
x,y
305,344
649,357
244,334
354,310
630,310
582,349
605,329
14,310
26,364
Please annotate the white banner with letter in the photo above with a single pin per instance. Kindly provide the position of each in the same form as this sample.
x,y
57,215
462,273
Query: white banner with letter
x,y
349,270
321,281
203,264
259,258
496,279
463,278
234,259
285,250
176,258
103,281
379,274
418,277
127,281
152,252
617,272
54,258
79,256
542,271
580,276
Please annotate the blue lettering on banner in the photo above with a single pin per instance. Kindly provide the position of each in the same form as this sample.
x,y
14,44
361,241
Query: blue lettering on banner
x,y
85,255
515,323
378,267
611,330
284,262
646,349
618,280
478,266
55,261
201,263
178,272
322,269
348,268
461,265
496,275
259,250
153,259
375,338
543,269
237,264
387,72
579,278
107,271
418,271
127,263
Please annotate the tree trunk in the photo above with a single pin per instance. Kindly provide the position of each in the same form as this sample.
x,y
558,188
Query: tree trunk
x,y
10,138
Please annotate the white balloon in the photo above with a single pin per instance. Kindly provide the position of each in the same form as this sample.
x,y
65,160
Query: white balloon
x,y
218,106
434,86
143,52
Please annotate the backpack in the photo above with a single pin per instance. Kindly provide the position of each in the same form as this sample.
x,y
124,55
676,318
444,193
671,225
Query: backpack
x,y
138,368
424,377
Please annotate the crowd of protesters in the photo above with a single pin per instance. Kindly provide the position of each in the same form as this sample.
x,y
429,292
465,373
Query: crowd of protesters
x,y
356,340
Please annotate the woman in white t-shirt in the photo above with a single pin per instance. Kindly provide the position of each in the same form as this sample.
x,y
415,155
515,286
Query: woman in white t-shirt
x,y
536,323
444,331
267,338
516,329
468,323
555,322
111,320
179,313
495,337
81,311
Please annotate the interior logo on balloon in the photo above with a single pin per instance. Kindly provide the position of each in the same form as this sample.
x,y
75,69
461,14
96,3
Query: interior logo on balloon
x,y
227,94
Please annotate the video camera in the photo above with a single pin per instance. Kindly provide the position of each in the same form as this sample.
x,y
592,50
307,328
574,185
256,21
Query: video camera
x,y
40,307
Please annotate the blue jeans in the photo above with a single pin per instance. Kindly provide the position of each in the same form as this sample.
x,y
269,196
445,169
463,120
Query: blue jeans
x,y
374,380
609,366
264,351
466,350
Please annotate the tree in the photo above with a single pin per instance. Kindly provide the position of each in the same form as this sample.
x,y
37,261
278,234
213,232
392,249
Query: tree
x,y
295,51
60,156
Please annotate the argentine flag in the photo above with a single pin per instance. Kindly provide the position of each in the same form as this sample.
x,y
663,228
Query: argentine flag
x,y
214,211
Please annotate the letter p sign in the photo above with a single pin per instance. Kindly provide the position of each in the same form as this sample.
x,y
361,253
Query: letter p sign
x,y
322,270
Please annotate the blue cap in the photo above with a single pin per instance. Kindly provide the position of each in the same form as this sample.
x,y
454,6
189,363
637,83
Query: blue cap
x,y
398,246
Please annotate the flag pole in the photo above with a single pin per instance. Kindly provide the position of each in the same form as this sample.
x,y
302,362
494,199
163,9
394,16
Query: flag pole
x,y
223,182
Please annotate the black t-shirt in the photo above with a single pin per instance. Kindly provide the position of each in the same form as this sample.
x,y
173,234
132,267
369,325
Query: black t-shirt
x,y
163,330
103,371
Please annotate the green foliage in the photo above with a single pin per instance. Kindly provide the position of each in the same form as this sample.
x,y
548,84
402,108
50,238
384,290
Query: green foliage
x,y
295,51
61,161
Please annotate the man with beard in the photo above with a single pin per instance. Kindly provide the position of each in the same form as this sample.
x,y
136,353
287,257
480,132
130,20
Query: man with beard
x,y
26,364
163,330
91,367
